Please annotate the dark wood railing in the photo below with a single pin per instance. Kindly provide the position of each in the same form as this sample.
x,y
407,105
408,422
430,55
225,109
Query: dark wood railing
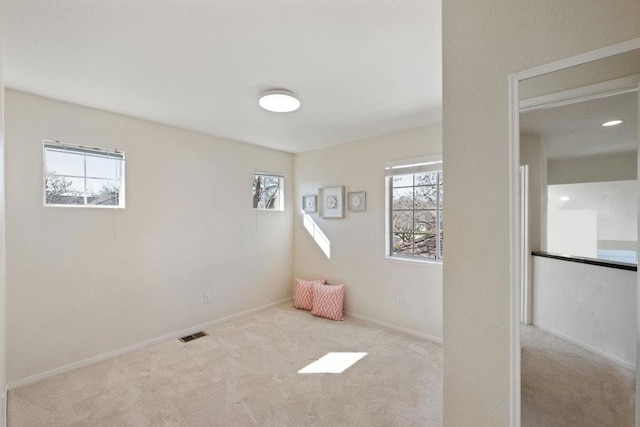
x,y
590,261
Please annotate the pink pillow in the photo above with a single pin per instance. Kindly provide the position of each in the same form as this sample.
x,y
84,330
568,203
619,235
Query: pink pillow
x,y
328,301
303,295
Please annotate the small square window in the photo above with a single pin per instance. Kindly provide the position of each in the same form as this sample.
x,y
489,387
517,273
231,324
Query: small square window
x,y
268,191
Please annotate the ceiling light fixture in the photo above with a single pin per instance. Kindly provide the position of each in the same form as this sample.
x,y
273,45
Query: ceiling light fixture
x,y
565,198
279,101
612,123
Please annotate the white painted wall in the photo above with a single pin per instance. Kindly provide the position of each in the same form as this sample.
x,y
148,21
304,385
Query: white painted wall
x,y
83,282
3,265
615,202
532,154
358,240
592,306
483,43
595,168
573,232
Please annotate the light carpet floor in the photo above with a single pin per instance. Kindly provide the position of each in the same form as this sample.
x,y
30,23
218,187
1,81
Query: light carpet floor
x,y
565,385
245,374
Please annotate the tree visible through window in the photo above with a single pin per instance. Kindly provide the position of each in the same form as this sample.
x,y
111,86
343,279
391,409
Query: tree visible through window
x,y
82,176
415,214
267,191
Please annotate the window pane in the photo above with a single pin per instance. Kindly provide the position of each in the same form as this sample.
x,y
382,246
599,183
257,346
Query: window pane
x,y
441,234
426,197
62,190
427,178
103,167
402,244
402,198
266,192
402,221
403,180
103,192
64,163
425,245
425,222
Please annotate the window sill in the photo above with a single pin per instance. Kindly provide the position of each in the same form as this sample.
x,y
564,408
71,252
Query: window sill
x,y
423,262
83,206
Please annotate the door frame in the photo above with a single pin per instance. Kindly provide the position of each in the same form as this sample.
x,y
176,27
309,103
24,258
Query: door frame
x,y
515,227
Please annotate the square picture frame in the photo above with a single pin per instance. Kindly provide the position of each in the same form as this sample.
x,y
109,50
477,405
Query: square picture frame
x,y
331,202
357,201
310,203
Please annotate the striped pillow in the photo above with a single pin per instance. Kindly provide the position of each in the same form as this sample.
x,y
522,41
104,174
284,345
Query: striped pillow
x,y
303,294
328,301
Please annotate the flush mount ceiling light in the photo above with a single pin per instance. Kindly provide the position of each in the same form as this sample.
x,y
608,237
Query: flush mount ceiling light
x,y
612,123
565,198
279,101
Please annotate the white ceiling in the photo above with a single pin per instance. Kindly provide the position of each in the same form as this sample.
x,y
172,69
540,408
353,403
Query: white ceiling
x,y
575,130
360,67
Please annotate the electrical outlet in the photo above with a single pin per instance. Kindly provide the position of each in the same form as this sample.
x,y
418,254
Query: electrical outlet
x,y
207,297
399,300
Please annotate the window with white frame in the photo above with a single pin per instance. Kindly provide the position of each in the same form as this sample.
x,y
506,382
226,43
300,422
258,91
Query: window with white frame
x,y
268,189
414,209
75,175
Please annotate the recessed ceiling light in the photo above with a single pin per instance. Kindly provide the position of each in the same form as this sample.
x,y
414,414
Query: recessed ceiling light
x,y
612,123
279,101
565,198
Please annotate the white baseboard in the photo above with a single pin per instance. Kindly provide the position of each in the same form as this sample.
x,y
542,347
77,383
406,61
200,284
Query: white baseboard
x,y
587,347
97,359
395,327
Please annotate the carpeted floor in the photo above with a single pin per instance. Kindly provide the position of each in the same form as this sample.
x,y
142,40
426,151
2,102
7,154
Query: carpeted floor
x,y
565,385
245,374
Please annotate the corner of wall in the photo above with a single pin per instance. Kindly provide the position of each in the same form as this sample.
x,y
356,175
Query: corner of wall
x,y
3,311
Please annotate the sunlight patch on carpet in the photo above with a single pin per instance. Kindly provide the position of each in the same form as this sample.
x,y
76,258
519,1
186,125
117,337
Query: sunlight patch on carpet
x,y
332,363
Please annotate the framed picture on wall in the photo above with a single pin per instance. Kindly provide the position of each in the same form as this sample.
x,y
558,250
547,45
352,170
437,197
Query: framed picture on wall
x,y
357,201
310,203
331,202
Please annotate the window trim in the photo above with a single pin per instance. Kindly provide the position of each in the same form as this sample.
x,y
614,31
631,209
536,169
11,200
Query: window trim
x,y
61,147
407,259
406,167
280,177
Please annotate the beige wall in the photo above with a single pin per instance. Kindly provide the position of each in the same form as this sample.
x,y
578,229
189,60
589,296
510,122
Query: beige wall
x,y
638,283
358,241
484,42
83,282
3,269
615,67
597,168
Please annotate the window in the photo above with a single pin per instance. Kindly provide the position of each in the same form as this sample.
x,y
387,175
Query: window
x,y
414,214
75,175
268,191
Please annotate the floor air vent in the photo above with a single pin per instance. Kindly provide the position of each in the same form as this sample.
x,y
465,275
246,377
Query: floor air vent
x,y
193,336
